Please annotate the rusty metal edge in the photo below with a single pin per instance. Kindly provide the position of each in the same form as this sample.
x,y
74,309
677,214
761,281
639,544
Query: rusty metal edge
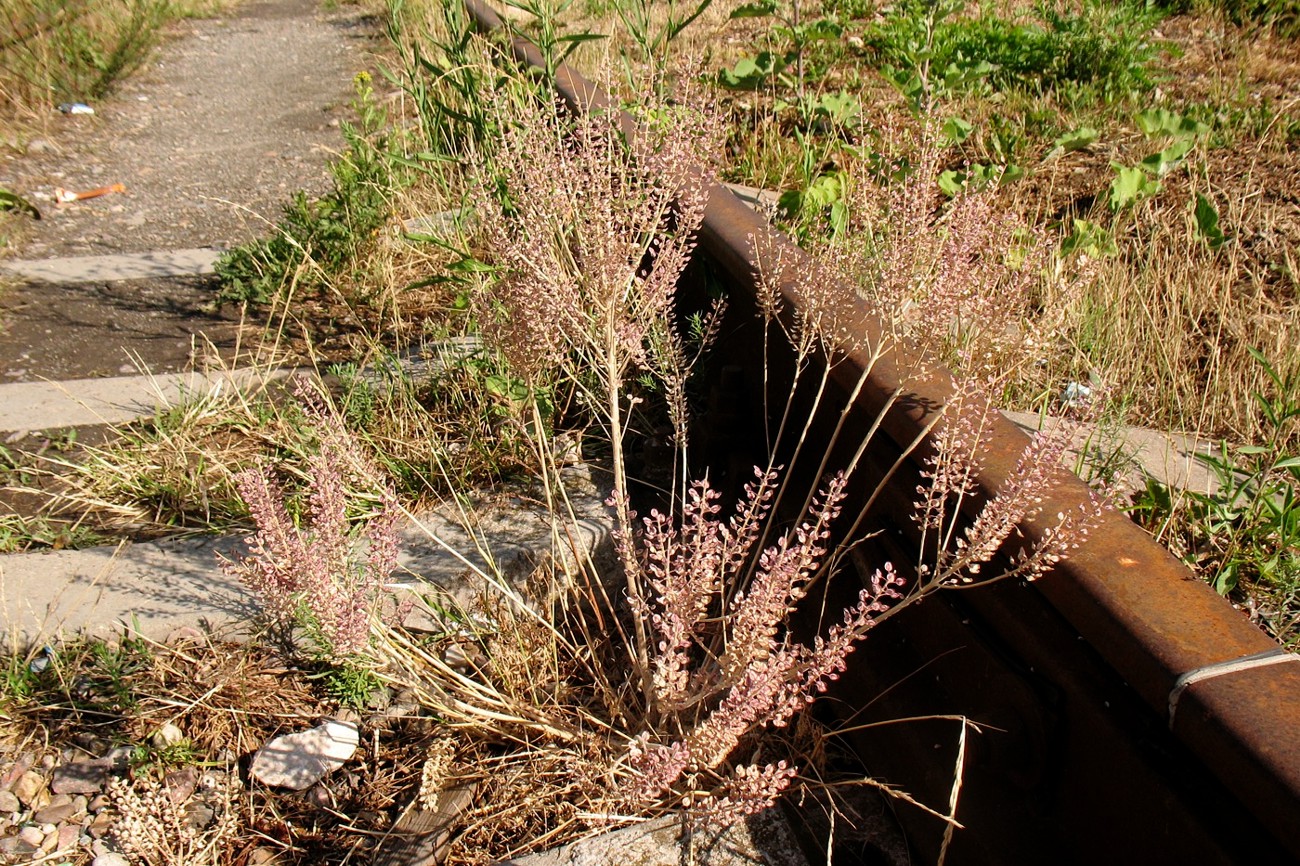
x,y
1143,610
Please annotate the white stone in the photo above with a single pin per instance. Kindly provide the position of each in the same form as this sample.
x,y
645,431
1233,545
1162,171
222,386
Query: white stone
x,y
302,759
167,735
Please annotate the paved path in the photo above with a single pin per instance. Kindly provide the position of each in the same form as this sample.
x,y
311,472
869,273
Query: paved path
x,y
230,118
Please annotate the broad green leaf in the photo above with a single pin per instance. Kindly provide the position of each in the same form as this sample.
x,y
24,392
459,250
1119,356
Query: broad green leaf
x,y
1131,185
790,202
1080,138
754,10
750,73
839,107
1089,239
1161,121
951,182
824,191
1160,164
1226,581
1207,221
818,31
956,75
957,130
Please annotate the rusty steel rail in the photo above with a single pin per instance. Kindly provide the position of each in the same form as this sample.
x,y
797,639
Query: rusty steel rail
x,y
1127,663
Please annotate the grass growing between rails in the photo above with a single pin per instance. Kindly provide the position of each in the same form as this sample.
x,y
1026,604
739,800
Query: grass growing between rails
x,y
597,689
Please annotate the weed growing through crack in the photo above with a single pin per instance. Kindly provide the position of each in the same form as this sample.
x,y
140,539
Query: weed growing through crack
x,y
321,577
631,691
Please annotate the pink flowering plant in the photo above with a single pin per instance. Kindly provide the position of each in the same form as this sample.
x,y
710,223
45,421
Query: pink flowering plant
x,y
673,676
322,574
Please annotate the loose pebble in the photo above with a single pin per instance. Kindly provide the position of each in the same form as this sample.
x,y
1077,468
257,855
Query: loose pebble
x,y
29,787
110,859
300,760
31,835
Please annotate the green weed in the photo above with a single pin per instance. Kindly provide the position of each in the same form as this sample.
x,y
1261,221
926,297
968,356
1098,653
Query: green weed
x,y
316,241
55,50
1101,51
350,683
1244,534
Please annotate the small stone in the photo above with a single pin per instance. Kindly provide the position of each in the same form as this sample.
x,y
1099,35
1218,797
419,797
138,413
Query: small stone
x,y
261,857
119,757
29,787
168,735
99,827
110,859
13,846
9,802
60,799
199,815
300,760
181,783
319,796
186,633
80,777
31,835
50,841
20,766
55,814
81,804
68,836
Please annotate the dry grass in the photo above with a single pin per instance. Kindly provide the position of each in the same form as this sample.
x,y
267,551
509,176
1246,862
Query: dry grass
x,y
227,699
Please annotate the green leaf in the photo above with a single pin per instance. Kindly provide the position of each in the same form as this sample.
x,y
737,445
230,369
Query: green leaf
x,y
12,201
1131,185
790,202
1207,221
957,130
838,107
1010,174
1160,164
824,191
1226,581
1090,239
1160,121
952,182
1078,139
956,75
750,73
754,10
817,31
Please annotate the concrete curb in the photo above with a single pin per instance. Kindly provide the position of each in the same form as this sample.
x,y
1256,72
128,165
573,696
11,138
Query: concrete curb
x,y
98,269
153,588
26,406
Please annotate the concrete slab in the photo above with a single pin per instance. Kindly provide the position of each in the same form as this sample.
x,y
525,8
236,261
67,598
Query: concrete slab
x,y
1168,457
156,587
765,838
96,269
55,405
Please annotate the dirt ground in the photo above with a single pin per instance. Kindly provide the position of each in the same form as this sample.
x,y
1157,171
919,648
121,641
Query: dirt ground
x,y
230,118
